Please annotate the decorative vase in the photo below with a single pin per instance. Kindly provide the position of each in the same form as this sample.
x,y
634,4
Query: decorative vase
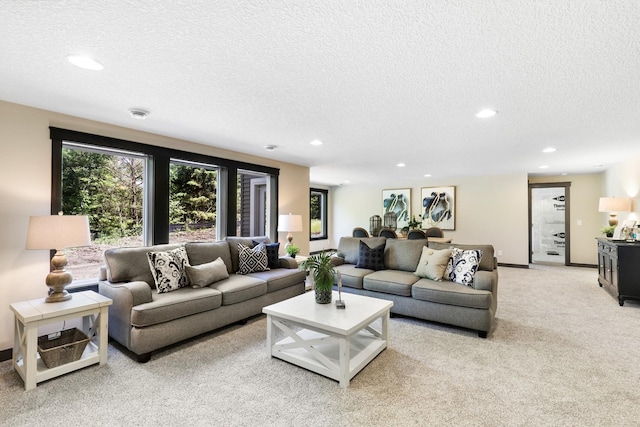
x,y
323,296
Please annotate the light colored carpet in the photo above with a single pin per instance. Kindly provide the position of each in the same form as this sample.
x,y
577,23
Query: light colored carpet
x,y
562,353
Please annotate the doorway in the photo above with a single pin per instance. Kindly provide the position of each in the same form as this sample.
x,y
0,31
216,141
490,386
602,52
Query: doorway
x,y
549,223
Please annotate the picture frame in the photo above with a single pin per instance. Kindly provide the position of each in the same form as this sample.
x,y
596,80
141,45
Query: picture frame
x,y
438,207
399,201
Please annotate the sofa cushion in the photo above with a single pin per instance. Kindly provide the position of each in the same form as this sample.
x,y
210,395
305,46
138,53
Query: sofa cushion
x,y
132,264
280,278
352,276
390,282
349,247
204,252
238,288
168,269
205,274
235,252
450,293
273,257
433,263
173,305
371,258
252,259
487,261
463,265
403,254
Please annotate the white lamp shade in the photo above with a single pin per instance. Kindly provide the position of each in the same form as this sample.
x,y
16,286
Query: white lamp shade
x,y
614,204
58,232
290,223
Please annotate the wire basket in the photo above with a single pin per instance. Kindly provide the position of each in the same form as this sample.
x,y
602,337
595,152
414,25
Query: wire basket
x,y
58,349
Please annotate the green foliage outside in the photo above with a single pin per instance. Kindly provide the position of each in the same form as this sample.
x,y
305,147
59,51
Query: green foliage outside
x,y
193,195
316,226
109,190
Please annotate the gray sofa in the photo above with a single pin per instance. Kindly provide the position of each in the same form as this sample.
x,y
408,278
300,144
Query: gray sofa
x,y
143,320
439,301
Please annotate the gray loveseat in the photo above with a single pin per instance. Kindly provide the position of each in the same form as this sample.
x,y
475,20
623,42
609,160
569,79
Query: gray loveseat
x,y
143,320
472,307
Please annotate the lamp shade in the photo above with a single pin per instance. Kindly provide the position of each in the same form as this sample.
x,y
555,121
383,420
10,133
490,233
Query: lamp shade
x,y
614,204
58,231
290,223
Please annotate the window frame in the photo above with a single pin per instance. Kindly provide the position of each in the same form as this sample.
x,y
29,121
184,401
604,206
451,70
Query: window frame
x,y
324,209
159,158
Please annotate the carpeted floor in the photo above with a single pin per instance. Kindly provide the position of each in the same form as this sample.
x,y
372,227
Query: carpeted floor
x,y
563,352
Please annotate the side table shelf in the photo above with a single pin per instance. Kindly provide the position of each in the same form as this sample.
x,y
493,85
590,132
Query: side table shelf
x,y
92,307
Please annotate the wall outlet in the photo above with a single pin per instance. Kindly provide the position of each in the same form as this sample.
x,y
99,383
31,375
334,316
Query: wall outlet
x,y
499,252
579,222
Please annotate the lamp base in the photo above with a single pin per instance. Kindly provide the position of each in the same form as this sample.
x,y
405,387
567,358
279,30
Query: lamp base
x,y
58,279
58,296
613,220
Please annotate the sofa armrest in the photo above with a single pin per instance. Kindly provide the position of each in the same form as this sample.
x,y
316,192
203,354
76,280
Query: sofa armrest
x,y
337,260
288,262
486,280
125,296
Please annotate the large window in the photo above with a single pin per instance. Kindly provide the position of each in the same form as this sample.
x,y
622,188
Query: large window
x,y
108,187
138,194
192,202
318,214
253,204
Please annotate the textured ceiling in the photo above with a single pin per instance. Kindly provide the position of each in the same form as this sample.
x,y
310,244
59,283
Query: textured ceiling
x,y
380,82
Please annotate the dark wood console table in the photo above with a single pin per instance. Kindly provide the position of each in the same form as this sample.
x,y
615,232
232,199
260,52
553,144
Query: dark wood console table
x,y
619,268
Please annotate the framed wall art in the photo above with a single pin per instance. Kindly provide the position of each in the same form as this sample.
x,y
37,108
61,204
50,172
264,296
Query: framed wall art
x,y
439,207
398,201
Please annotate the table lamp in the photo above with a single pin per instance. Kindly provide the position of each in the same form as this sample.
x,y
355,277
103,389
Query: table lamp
x,y
613,205
290,224
58,232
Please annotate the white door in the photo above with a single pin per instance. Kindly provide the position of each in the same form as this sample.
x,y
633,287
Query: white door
x,y
548,210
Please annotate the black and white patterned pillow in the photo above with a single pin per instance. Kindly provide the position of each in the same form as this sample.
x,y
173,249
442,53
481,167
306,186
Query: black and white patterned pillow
x,y
463,265
252,260
168,269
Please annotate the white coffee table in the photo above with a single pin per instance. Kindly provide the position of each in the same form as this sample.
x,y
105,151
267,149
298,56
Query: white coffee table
x,y
336,343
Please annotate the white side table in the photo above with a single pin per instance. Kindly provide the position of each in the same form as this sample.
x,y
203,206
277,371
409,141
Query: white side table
x,y
92,307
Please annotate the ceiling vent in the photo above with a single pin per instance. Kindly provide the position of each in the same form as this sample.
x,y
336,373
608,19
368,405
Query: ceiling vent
x,y
138,113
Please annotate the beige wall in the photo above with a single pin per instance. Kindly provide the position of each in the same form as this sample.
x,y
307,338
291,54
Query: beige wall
x,y
584,218
623,180
25,190
489,210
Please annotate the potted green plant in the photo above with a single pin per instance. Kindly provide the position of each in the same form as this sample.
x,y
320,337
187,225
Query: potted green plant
x,y
322,271
292,250
608,230
414,223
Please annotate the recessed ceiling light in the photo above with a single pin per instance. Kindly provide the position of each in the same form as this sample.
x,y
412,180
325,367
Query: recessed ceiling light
x,y
427,175
549,150
544,167
270,147
138,113
486,113
401,165
85,62
316,142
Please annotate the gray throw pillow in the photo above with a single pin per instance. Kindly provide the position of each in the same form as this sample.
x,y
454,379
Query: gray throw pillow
x,y
433,263
205,274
